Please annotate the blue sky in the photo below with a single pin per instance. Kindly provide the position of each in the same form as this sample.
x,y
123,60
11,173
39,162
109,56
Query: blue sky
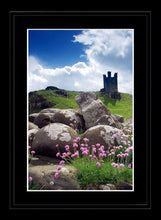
x,y
55,48
76,59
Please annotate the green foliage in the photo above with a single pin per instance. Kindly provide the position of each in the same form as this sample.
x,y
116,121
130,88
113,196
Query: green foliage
x,y
88,172
121,107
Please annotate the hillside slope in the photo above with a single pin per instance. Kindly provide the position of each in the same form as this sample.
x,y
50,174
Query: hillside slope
x,y
64,99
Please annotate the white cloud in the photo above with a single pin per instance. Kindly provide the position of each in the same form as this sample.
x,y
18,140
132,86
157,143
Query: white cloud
x,y
105,50
110,50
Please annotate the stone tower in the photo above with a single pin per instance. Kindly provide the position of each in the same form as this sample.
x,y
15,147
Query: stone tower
x,y
110,86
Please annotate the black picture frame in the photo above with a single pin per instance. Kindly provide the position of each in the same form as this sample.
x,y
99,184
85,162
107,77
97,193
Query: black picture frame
x,y
19,198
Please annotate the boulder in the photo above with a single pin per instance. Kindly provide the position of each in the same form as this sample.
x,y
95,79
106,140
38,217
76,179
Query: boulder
x,y
102,134
119,118
107,187
44,160
31,134
65,116
43,178
33,116
43,119
108,120
46,139
31,126
92,108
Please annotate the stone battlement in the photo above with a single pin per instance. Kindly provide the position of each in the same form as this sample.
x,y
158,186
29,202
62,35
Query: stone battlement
x,y
110,86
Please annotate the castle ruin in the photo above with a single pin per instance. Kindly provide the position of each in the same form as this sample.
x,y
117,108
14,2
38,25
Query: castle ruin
x,y
110,86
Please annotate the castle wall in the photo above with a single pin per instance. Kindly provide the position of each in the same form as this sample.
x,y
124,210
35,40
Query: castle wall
x,y
110,86
110,83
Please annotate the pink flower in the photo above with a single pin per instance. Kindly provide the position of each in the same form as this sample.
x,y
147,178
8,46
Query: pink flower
x,y
129,166
82,145
57,145
116,165
64,155
98,164
112,164
32,152
62,162
83,149
29,147
30,179
94,149
122,165
67,147
58,154
102,155
77,153
78,139
98,145
59,167
94,157
86,140
85,152
56,175
75,145
130,148
71,124
68,153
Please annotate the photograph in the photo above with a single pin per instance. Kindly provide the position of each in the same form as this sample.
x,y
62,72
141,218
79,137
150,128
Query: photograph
x,y
80,110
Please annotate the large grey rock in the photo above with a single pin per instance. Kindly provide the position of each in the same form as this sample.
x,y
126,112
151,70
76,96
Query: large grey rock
x,y
64,116
92,108
102,134
46,139
108,120
107,187
33,116
31,134
43,119
43,178
119,118
31,126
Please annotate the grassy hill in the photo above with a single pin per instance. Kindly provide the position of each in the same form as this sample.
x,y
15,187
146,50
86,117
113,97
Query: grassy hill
x,y
41,99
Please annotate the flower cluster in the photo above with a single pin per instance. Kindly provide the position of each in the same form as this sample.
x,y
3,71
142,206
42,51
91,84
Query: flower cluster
x,y
119,156
122,155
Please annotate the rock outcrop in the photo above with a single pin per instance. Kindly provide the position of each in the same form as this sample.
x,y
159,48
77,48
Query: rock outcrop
x,y
43,178
94,111
64,116
102,134
46,139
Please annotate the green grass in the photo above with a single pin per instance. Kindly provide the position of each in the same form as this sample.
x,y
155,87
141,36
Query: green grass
x,y
122,107
88,172
59,101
